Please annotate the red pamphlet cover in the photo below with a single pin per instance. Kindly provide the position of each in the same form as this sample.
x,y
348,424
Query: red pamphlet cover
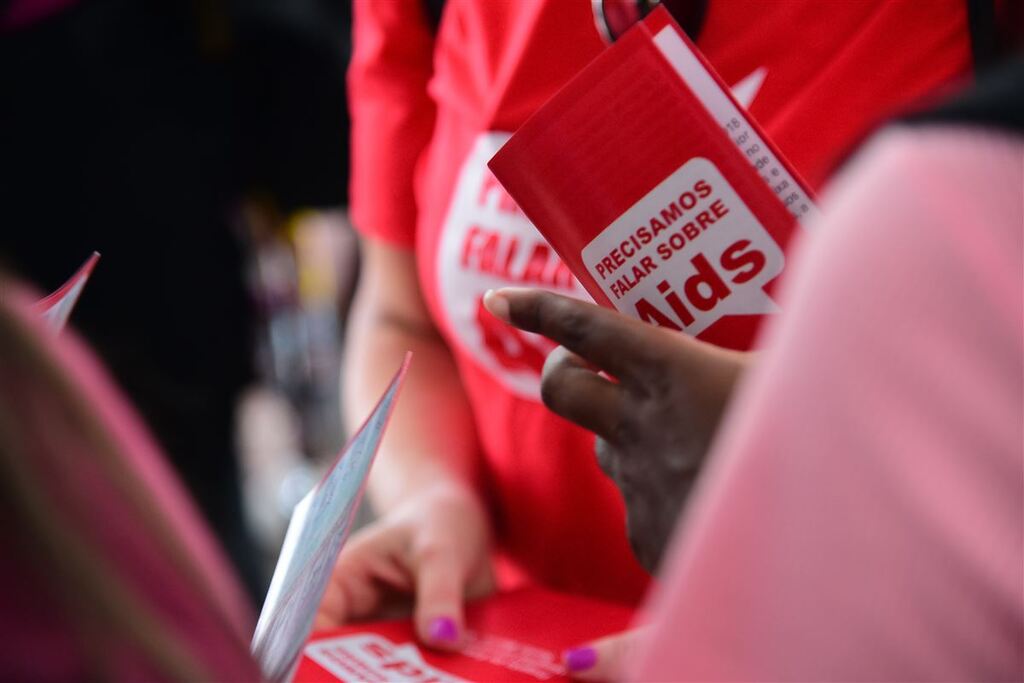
x,y
657,189
514,636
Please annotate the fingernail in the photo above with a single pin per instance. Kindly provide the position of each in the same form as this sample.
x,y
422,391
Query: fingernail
x,y
497,305
579,659
443,630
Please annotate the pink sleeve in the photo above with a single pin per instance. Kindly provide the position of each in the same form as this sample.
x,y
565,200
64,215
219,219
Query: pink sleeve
x,y
392,114
863,515
98,532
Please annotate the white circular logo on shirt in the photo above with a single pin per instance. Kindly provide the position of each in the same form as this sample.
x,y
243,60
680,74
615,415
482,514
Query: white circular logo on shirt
x,y
487,243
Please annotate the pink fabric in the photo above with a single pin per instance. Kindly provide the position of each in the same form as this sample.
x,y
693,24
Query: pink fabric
x,y
162,484
209,616
863,515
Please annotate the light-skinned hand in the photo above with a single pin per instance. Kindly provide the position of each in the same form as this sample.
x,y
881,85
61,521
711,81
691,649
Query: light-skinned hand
x,y
431,551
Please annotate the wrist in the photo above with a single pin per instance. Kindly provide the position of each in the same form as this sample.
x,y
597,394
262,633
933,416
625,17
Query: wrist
x,y
451,502
450,494
390,489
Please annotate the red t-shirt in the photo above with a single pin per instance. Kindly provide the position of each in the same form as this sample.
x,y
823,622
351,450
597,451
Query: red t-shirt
x,y
429,112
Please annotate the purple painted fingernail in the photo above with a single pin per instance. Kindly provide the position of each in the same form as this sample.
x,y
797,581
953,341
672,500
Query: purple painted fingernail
x,y
443,630
579,659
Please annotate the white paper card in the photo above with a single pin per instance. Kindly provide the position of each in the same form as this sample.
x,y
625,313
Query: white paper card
x,y
319,527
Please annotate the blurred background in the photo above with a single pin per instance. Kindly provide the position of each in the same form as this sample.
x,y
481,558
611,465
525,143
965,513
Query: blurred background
x,y
202,148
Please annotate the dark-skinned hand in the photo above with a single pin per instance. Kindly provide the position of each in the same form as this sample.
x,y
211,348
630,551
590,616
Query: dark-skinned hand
x,y
654,419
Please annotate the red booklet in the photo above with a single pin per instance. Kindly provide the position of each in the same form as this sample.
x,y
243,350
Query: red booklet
x,y
657,189
515,636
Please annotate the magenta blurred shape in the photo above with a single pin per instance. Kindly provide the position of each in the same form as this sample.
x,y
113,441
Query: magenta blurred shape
x,y
21,13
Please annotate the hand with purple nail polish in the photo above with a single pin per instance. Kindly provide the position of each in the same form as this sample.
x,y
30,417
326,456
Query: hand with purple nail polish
x,y
602,660
432,551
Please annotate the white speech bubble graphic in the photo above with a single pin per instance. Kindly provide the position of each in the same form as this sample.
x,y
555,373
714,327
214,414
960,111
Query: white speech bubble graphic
x,y
370,657
688,253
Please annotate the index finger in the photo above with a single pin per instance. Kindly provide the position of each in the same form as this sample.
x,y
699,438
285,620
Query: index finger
x,y
440,586
607,339
604,659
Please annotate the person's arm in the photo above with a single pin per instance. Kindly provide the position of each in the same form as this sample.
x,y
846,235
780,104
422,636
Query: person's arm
x,y
431,440
430,540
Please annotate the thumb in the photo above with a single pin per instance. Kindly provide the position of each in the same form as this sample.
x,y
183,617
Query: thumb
x,y
602,660
440,586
